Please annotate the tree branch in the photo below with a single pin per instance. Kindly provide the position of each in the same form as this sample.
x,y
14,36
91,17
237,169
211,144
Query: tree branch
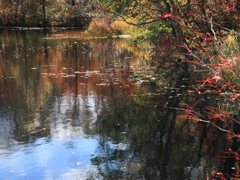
x,y
124,19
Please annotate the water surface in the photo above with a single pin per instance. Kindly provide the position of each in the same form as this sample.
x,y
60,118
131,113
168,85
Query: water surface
x,y
70,108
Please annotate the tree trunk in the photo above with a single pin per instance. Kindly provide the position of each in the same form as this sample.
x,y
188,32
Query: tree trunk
x,y
44,21
23,12
16,13
237,10
73,3
170,6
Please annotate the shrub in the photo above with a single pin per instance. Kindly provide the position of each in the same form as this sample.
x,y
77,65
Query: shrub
x,y
121,27
100,26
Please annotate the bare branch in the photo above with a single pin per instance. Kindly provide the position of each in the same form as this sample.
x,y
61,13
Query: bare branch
x,y
224,28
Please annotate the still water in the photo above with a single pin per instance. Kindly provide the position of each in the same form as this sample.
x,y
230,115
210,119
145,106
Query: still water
x,y
71,110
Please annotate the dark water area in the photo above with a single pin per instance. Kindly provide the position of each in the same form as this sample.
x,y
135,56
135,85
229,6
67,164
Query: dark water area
x,y
73,107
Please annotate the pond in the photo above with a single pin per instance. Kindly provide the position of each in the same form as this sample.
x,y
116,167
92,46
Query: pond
x,y
77,107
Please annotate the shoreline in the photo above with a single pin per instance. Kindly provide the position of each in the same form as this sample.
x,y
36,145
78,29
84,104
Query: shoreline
x,y
41,28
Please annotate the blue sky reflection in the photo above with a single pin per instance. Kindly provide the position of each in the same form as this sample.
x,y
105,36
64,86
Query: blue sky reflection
x,y
50,160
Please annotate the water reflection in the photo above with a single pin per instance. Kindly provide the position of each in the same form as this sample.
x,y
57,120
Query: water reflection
x,y
69,110
51,93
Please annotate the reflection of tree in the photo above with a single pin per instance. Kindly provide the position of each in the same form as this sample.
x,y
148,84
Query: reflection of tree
x,y
58,87
111,161
37,73
161,145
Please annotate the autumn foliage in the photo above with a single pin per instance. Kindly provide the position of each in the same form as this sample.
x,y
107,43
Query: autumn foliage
x,y
45,13
211,55
201,37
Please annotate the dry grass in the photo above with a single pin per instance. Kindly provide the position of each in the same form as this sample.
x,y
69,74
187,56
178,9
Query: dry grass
x,y
103,27
100,26
120,27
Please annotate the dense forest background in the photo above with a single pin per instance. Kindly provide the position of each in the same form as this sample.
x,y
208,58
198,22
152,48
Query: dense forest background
x,y
45,13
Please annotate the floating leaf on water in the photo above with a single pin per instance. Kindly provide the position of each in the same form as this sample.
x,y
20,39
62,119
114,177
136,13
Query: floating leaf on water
x,y
102,84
